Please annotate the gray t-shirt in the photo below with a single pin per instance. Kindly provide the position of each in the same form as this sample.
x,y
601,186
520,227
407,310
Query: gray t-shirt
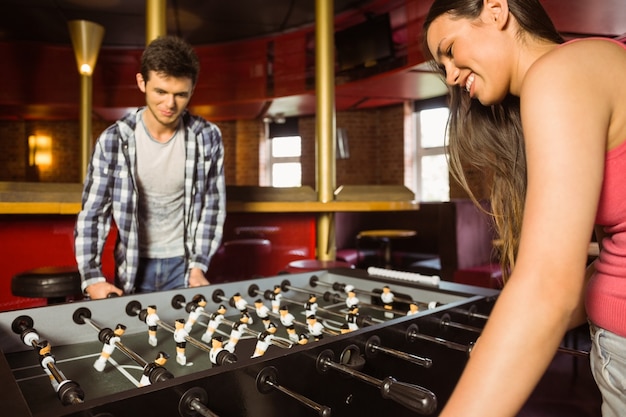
x,y
161,176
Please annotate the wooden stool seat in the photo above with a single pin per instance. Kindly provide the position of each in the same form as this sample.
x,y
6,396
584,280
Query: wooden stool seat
x,y
310,265
55,283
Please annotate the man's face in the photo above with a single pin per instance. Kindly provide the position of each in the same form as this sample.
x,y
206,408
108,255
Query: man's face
x,y
166,97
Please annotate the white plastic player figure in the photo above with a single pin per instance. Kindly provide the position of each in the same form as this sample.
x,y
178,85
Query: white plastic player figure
x,y
235,334
45,357
215,320
196,308
263,340
345,328
276,296
310,307
217,346
288,320
387,298
160,360
180,337
413,309
352,316
352,299
241,304
109,347
316,328
262,312
152,320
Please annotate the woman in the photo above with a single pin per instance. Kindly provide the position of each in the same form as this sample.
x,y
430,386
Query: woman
x,y
548,120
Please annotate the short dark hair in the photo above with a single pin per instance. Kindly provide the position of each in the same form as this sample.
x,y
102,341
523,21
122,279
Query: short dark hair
x,y
171,56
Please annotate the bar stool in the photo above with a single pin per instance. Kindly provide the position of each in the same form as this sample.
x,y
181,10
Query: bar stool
x,y
310,265
384,236
55,283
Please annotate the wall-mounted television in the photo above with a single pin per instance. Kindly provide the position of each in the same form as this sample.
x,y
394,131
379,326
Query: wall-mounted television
x,y
364,44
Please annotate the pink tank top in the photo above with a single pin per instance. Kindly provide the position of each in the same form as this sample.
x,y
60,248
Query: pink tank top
x,y
606,293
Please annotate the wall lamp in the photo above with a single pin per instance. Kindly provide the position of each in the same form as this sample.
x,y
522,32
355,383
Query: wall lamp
x,y
39,150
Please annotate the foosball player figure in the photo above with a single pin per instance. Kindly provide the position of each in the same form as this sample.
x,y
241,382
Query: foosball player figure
x,y
275,298
413,309
218,355
110,339
262,312
316,328
263,340
352,316
150,369
387,298
236,332
180,337
152,320
310,307
288,320
241,304
195,308
352,298
303,339
44,350
345,328
215,320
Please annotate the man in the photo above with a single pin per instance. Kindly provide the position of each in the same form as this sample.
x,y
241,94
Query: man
x,y
158,174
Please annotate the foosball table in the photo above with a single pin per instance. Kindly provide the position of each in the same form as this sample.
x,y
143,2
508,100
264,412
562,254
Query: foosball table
x,y
342,342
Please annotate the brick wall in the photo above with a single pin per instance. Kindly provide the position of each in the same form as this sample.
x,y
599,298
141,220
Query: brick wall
x,y
375,140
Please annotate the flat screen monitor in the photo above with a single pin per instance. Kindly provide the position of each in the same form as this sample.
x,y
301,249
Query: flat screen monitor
x,y
364,44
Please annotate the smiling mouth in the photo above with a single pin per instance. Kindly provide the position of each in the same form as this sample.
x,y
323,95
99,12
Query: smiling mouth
x,y
469,82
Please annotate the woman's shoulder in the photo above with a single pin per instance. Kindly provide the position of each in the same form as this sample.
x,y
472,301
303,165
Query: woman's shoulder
x,y
589,62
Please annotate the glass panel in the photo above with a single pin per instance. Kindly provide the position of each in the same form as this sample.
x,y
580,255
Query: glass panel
x,y
286,146
435,182
286,174
433,124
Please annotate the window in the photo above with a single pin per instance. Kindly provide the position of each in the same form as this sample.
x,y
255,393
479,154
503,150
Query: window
x,y
285,167
430,162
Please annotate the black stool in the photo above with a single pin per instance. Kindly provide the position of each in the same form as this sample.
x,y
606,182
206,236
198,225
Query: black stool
x,y
55,283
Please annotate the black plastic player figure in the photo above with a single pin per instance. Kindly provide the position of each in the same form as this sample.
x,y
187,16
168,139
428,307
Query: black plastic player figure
x,y
387,298
345,328
310,307
263,340
288,320
303,339
316,328
160,360
352,316
195,308
241,304
180,335
275,300
151,320
413,309
108,347
215,320
236,332
262,312
219,355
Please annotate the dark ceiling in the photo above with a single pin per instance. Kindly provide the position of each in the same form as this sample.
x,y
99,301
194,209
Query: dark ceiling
x,y
198,21
211,22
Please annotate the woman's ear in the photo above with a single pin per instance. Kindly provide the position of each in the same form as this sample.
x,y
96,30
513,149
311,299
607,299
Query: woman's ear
x,y
497,11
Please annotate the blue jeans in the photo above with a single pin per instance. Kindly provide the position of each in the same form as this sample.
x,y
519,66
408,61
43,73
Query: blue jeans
x,y
608,364
160,274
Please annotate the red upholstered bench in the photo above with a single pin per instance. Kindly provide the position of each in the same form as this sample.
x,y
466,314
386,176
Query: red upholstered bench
x,y
488,276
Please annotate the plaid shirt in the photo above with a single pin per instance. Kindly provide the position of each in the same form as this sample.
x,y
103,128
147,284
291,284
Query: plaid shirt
x,y
110,193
